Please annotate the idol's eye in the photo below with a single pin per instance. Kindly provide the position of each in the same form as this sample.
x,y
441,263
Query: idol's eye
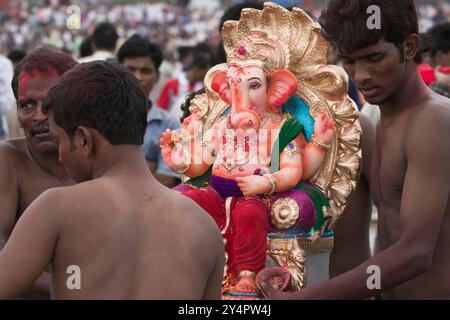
x,y
255,85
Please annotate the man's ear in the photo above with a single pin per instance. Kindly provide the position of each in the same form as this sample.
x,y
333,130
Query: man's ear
x,y
411,46
84,140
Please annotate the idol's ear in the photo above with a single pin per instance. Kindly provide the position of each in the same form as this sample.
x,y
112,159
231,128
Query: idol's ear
x,y
220,85
283,85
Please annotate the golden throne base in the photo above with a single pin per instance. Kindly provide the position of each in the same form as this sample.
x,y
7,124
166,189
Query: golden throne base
x,y
307,261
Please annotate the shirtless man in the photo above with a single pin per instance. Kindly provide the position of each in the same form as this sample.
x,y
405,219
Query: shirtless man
x,y
410,171
128,236
29,165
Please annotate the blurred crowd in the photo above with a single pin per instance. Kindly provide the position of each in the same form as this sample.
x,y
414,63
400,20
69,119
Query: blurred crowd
x,y
23,26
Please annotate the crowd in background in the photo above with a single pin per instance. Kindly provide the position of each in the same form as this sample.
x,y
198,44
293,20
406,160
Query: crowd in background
x,y
24,26
187,33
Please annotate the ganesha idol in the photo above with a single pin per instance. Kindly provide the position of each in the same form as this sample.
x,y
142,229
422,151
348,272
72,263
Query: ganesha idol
x,y
272,148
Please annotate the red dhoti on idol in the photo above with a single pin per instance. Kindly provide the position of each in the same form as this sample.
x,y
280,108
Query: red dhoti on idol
x,y
244,223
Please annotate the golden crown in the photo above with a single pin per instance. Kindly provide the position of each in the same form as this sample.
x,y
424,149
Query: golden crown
x,y
275,38
261,49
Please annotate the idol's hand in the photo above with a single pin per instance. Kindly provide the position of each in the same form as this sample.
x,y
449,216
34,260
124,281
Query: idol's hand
x,y
171,148
324,128
253,185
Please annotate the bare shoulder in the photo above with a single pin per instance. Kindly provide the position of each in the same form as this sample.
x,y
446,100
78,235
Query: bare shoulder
x,y
432,116
429,126
366,124
368,130
49,204
193,219
13,150
67,197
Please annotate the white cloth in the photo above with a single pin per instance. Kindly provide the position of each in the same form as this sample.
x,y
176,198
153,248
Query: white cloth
x,y
372,112
98,55
6,93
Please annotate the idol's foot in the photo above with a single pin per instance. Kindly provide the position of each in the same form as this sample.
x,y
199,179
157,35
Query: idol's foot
x,y
246,285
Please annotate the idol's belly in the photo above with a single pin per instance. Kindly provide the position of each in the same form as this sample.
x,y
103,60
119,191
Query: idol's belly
x,y
227,171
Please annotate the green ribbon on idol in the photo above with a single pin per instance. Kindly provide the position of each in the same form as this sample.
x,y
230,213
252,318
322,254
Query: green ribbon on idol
x,y
201,181
290,130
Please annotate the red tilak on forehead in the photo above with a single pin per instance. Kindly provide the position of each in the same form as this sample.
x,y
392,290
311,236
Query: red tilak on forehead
x,y
25,77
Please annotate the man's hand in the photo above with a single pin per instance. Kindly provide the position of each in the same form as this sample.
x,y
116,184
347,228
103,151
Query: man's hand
x,y
278,277
270,293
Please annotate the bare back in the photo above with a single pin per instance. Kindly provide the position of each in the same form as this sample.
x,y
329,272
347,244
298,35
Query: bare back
x,y
134,239
395,184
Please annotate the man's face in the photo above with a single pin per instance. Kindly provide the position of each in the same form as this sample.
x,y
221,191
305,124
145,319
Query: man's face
x,y
68,154
377,70
145,71
33,88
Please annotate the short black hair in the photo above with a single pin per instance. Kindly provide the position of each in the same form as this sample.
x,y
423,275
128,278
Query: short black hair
x,y
100,95
233,13
184,51
41,59
439,37
201,61
105,36
344,23
185,106
85,48
16,55
136,47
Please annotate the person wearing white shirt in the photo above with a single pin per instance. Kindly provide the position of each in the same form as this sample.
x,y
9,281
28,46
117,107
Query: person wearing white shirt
x,y
6,94
104,41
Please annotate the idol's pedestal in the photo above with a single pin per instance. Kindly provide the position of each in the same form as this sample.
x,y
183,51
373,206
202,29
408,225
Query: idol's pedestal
x,y
306,260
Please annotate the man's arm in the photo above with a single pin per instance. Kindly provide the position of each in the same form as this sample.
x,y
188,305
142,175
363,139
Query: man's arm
x,y
9,193
31,246
353,225
423,204
368,144
9,199
213,287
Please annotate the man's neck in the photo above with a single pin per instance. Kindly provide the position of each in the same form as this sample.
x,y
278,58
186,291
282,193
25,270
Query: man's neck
x,y
119,160
409,95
